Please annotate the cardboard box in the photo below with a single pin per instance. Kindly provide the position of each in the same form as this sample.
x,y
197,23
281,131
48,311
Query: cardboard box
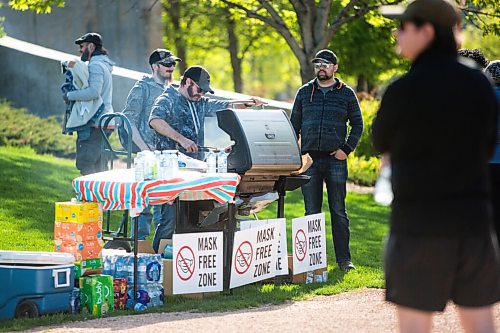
x,y
77,232
78,212
81,251
303,277
167,277
144,246
97,294
168,288
88,267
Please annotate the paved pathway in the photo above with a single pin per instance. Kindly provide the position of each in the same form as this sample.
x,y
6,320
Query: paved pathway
x,y
357,311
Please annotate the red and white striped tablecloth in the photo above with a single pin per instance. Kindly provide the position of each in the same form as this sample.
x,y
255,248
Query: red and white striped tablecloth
x,y
118,190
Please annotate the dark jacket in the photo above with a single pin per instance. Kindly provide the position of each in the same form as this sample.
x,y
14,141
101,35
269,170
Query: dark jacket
x,y
438,125
321,119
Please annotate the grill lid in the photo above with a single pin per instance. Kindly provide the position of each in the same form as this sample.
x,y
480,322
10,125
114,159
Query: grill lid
x,y
265,142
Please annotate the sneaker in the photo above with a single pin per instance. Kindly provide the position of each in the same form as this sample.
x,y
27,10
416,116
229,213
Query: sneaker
x,y
346,265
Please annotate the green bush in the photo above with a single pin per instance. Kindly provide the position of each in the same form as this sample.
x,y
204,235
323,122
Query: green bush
x,y
369,108
363,171
364,162
20,128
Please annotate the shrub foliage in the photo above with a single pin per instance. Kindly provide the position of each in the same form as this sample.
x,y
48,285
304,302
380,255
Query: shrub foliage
x,y
20,128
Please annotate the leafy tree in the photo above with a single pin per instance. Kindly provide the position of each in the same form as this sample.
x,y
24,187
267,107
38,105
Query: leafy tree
x,y
483,14
191,24
365,48
306,26
310,25
38,6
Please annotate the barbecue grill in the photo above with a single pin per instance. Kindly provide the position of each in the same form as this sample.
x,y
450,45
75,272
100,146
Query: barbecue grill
x,y
265,153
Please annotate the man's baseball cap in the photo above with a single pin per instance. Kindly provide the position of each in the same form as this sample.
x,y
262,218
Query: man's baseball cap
x,y
162,55
90,37
199,75
439,12
325,55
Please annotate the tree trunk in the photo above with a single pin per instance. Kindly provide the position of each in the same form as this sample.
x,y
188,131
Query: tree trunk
x,y
233,51
174,12
306,69
362,84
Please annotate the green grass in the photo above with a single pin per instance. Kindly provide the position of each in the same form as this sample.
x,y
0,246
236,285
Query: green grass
x,y
31,184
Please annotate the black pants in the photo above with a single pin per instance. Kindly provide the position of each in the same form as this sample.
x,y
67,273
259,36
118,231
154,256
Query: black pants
x,y
495,196
88,152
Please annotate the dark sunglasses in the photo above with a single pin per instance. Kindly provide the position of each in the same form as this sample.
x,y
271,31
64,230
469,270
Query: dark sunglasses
x,y
167,64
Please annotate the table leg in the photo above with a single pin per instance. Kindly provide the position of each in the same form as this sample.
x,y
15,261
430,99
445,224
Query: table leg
x,y
136,244
279,280
281,206
229,243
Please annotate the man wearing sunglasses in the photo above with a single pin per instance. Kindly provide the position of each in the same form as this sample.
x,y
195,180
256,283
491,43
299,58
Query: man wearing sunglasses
x,y
178,117
320,114
140,100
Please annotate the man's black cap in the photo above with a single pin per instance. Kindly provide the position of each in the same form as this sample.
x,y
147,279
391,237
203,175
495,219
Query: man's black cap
x,y
162,55
325,55
439,12
90,37
199,75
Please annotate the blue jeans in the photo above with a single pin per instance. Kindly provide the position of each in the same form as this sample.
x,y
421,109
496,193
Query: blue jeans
x,y
334,173
165,229
144,223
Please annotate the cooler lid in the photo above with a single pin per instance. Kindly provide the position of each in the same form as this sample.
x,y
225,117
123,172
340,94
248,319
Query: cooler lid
x,y
44,258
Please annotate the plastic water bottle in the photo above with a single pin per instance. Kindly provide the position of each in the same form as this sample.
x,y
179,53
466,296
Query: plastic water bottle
x,y
222,162
169,164
164,167
139,167
139,307
153,270
211,162
174,157
112,266
382,193
154,294
130,270
141,270
130,298
106,266
120,268
150,165
158,295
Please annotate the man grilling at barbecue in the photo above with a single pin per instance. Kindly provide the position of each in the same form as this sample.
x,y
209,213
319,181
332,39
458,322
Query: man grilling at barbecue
x,y
178,117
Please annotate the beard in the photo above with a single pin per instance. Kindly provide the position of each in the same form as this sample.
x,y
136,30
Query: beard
x,y
323,76
192,96
85,55
163,78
